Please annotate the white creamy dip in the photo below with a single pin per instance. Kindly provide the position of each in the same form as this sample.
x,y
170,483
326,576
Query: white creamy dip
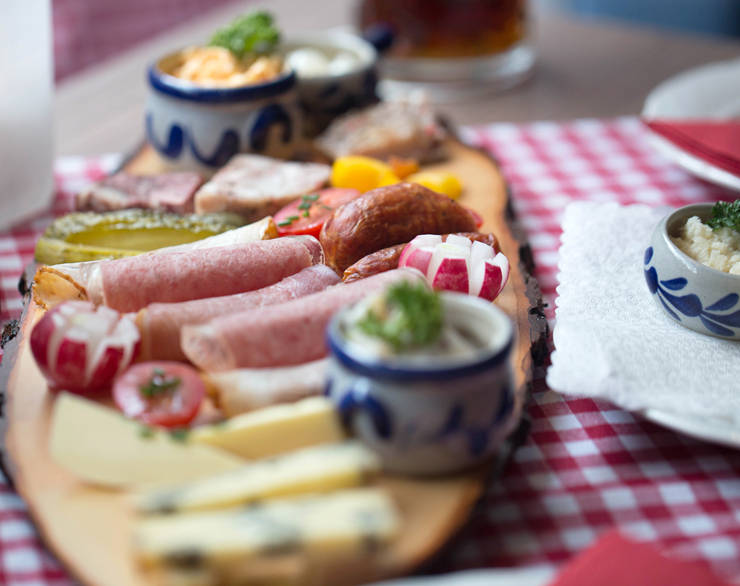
x,y
718,249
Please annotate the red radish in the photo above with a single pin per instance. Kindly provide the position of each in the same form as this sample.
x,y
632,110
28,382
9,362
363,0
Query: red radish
x,y
458,264
80,348
418,242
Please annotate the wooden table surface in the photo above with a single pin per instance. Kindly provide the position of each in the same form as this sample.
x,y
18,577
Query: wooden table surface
x,y
585,69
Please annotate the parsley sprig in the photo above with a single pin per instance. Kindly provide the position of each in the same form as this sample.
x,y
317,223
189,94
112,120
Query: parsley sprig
x,y
411,317
252,33
725,215
159,384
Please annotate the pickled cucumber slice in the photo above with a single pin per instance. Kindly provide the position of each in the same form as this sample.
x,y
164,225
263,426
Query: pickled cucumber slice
x,y
83,236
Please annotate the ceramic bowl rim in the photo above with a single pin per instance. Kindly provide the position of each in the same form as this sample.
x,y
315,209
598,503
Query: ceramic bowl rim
x,y
174,87
694,209
329,39
482,361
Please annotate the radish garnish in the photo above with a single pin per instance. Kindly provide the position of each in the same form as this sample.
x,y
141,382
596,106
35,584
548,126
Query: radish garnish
x,y
458,265
81,348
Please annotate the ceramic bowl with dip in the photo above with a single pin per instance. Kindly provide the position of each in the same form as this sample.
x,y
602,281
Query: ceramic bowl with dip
x,y
697,296
194,127
426,414
336,71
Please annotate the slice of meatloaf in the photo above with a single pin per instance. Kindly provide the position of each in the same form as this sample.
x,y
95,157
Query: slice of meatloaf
x,y
256,186
169,192
406,128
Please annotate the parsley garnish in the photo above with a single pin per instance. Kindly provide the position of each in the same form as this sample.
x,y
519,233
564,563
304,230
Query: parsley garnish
x,y
413,317
180,434
725,215
159,384
253,32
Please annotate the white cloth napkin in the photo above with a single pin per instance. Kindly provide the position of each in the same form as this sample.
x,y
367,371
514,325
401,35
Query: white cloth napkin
x,y
613,342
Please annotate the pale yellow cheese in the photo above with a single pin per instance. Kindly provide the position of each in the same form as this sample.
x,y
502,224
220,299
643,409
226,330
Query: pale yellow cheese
x,y
102,447
276,429
340,524
316,469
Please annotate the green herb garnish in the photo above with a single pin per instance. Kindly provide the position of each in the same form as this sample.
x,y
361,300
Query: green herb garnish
x,y
725,215
146,432
180,434
159,384
411,316
252,33
288,221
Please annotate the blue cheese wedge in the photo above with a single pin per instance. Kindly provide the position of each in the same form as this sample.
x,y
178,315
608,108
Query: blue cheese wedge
x,y
102,447
316,469
338,525
275,430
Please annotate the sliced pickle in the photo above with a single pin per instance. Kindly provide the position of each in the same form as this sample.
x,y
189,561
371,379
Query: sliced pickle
x,y
83,236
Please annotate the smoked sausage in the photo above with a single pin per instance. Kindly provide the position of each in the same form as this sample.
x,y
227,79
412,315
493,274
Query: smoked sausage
x,y
388,216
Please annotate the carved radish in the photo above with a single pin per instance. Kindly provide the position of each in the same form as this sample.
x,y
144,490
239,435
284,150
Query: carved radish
x,y
458,265
80,348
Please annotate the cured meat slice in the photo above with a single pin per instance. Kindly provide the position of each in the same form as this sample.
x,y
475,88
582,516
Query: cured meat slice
x,y
284,334
170,192
68,281
256,186
128,284
160,323
246,389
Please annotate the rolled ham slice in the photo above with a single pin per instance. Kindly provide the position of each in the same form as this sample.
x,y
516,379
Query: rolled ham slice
x,y
128,284
247,389
281,335
160,323
66,282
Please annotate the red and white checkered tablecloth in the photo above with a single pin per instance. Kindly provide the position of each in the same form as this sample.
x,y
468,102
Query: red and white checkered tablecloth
x,y
587,466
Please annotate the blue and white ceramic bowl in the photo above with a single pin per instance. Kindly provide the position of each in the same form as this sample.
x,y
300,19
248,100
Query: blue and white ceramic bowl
x,y
198,128
699,297
425,416
324,97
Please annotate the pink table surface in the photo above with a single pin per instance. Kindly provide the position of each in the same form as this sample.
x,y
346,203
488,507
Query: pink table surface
x,y
587,466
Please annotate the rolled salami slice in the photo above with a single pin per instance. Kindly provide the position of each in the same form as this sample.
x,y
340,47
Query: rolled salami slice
x,y
281,335
247,389
128,284
66,282
160,323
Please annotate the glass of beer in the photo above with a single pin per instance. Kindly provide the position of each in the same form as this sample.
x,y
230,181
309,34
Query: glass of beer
x,y
475,43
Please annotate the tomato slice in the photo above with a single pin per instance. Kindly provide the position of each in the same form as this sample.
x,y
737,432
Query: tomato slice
x,y
159,393
308,213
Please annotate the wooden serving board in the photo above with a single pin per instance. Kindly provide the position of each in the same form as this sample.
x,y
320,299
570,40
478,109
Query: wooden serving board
x,y
89,529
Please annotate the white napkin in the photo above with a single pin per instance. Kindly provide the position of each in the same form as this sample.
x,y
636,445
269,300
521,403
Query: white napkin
x,y
613,342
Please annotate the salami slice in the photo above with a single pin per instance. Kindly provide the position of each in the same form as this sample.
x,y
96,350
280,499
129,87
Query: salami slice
x,y
284,334
160,323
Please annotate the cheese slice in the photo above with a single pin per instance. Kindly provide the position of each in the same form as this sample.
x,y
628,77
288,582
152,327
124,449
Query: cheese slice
x,y
316,469
101,446
341,524
276,429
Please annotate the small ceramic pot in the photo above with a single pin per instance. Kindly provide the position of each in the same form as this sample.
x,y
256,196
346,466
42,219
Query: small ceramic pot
x,y
200,129
324,97
429,416
699,297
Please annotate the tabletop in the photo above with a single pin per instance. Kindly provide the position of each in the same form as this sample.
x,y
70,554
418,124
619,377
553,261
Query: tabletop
x,y
585,69
586,466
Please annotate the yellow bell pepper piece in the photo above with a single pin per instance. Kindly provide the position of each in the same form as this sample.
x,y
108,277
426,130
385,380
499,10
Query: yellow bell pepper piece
x,y
439,181
363,173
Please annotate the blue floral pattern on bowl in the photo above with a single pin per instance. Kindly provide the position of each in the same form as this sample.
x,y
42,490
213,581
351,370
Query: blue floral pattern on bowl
x,y
690,305
696,296
428,418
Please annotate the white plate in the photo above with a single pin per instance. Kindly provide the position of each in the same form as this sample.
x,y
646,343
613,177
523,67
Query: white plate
x,y
715,430
706,92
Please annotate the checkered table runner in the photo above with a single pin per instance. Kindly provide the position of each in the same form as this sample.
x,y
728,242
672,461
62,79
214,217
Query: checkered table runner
x,y
587,466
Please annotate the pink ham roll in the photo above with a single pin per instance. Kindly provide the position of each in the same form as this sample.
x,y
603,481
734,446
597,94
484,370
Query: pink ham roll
x,y
160,323
281,335
128,284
